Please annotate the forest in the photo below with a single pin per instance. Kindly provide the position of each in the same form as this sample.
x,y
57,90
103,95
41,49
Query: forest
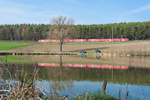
x,y
34,32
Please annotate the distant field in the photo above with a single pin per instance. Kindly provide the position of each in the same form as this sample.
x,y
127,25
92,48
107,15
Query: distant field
x,y
54,47
142,45
11,45
84,43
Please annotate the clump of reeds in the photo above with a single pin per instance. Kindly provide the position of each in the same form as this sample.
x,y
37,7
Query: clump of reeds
x,y
24,88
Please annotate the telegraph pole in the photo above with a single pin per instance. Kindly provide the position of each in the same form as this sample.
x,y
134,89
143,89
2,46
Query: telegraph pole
x,y
112,33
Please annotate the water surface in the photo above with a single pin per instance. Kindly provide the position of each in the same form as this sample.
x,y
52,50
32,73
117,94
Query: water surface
x,y
73,75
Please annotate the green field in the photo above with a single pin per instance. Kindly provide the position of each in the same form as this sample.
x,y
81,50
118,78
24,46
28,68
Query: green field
x,y
13,59
6,45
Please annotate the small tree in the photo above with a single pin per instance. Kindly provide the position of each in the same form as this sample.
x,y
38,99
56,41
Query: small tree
x,y
61,28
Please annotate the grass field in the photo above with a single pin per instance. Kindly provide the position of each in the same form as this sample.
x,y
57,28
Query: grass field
x,y
141,47
109,46
5,45
54,47
13,59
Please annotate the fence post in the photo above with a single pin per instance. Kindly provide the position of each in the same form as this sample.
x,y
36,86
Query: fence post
x,y
104,88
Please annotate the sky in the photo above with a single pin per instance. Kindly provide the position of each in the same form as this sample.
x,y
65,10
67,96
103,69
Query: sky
x,y
82,11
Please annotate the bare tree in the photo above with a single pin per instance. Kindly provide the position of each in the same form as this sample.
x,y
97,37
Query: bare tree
x,y
61,28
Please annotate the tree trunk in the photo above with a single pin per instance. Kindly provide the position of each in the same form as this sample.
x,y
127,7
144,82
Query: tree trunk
x,y
61,46
104,87
60,61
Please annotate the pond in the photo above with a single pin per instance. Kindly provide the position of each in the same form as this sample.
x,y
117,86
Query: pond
x,y
75,75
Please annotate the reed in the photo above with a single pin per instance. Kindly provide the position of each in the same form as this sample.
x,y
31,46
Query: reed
x,y
24,87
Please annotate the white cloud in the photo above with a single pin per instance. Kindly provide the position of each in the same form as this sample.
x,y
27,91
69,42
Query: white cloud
x,y
134,14
140,9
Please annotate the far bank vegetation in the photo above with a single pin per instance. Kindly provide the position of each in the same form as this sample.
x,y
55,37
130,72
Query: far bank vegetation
x,y
133,31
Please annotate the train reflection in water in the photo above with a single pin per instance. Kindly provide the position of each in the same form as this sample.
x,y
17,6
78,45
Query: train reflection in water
x,y
84,66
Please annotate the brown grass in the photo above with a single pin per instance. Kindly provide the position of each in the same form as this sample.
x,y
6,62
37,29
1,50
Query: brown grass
x,y
54,47
24,88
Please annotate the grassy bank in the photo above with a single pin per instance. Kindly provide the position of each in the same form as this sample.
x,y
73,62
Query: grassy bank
x,y
84,97
94,96
13,59
5,45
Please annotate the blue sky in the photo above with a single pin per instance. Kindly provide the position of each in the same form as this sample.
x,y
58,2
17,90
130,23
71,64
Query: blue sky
x,y
82,11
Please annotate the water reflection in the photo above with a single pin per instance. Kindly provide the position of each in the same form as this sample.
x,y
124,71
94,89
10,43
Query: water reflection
x,y
82,66
127,61
83,56
97,57
68,80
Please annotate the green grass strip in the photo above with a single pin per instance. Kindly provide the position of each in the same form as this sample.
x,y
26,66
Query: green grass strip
x,y
6,45
13,59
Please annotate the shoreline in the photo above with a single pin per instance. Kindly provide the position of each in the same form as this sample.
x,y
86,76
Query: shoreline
x,y
104,53
38,53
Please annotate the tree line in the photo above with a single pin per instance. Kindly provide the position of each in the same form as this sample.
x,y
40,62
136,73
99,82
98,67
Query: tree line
x,y
133,31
